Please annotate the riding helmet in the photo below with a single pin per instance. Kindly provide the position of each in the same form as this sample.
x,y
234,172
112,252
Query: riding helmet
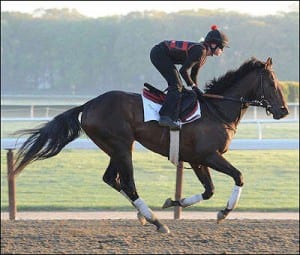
x,y
218,37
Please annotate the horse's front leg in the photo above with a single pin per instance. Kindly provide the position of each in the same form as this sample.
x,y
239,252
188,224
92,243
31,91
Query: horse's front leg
x,y
219,163
128,190
203,175
111,175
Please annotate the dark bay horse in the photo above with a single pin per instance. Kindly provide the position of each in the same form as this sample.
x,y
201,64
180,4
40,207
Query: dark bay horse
x,y
114,120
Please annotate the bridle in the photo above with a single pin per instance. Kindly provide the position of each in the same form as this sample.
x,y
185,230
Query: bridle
x,y
262,101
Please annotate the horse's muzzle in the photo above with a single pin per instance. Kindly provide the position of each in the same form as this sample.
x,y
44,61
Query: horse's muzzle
x,y
279,113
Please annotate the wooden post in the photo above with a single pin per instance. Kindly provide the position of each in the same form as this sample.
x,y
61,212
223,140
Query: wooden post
x,y
31,111
178,192
11,186
47,112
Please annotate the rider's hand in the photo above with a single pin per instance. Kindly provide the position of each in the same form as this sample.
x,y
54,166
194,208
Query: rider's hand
x,y
198,91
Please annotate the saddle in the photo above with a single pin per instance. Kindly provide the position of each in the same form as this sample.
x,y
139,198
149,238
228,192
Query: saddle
x,y
188,104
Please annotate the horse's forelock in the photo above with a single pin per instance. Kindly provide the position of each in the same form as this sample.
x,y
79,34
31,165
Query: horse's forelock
x,y
218,86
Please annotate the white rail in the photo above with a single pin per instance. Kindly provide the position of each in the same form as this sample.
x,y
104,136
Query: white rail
x,y
47,109
236,144
258,122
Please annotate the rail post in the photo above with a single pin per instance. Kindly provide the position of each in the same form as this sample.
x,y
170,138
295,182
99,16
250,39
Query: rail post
x,y
32,111
11,185
178,192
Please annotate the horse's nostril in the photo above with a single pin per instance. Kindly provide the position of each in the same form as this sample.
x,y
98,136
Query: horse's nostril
x,y
285,110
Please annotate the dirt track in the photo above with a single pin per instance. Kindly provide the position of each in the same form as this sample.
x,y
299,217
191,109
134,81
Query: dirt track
x,y
120,236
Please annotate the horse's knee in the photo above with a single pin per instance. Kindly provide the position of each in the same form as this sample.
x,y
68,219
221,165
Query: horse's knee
x,y
107,178
111,180
208,193
238,179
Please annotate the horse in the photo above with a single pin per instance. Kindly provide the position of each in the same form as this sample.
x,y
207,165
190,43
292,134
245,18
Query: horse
x,y
114,120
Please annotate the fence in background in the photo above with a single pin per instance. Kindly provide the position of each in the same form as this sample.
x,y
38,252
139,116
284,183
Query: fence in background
x,y
48,111
258,122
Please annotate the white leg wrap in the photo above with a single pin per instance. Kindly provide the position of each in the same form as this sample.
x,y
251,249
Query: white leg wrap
x,y
234,198
191,200
143,208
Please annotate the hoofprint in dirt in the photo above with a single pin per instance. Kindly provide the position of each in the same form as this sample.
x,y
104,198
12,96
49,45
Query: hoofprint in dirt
x,y
127,237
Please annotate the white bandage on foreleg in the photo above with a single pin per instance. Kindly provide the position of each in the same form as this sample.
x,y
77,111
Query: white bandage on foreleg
x,y
191,200
143,208
234,198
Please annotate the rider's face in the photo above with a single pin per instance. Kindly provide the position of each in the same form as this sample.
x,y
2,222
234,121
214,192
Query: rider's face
x,y
218,52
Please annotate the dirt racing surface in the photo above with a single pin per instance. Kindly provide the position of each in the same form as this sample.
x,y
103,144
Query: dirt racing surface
x,y
122,236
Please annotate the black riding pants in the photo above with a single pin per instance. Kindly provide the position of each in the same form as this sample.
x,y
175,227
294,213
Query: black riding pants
x,y
161,60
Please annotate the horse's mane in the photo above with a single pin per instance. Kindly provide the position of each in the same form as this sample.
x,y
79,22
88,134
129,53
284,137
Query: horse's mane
x,y
218,86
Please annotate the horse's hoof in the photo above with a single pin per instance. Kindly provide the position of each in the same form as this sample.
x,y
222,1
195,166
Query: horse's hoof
x,y
168,203
163,229
141,219
221,216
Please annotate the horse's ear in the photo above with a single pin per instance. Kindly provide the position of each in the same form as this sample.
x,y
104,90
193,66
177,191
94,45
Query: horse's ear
x,y
268,63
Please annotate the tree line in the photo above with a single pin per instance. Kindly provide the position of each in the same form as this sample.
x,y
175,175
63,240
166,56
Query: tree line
x,y
61,52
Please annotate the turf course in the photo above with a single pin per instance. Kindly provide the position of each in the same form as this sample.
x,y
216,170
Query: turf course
x,y
72,181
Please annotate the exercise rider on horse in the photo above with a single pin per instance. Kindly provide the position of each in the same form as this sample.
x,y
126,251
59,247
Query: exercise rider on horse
x,y
191,55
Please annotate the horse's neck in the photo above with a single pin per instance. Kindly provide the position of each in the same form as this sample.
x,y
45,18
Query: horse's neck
x,y
244,88
232,111
225,112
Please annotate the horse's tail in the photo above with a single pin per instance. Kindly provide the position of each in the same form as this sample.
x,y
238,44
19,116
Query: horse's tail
x,y
49,140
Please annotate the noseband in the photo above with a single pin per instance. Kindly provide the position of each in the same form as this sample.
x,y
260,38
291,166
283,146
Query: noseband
x,y
262,101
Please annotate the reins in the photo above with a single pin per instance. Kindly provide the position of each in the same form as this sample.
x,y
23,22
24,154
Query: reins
x,y
261,103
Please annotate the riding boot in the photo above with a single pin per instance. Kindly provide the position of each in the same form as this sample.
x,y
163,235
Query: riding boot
x,y
169,112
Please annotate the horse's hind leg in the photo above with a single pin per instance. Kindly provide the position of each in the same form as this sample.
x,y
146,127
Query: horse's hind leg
x,y
111,175
119,173
203,175
128,189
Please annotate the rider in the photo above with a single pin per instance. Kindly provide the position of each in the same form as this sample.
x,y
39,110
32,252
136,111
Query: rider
x,y
191,55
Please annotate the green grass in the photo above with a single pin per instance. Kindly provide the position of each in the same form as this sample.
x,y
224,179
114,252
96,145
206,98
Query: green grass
x,y
269,131
72,180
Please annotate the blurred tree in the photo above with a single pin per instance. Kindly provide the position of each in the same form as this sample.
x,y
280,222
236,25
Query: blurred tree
x,y
63,52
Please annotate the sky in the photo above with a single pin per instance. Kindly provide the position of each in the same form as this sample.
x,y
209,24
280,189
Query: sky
x,y
96,9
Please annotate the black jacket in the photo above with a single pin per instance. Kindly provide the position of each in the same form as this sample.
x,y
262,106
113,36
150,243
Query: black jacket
x,y
191,55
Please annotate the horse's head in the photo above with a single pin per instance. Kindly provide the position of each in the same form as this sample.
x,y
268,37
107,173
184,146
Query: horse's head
x,y
269,92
